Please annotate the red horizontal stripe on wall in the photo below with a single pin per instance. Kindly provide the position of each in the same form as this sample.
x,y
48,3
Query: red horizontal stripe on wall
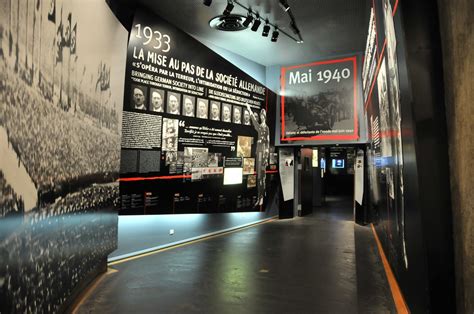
x,y
167,177
155,178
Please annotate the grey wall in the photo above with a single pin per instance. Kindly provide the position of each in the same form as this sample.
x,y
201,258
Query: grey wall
x,y
457,34
145,232
254,69
272,78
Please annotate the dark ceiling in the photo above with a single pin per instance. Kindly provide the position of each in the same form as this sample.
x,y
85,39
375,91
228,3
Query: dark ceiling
x,y
328,27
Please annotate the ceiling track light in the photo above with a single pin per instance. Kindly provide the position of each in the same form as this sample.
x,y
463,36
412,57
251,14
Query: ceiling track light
x,y
266,29
228,8
256,23
275,35
284,5
248,20
255,19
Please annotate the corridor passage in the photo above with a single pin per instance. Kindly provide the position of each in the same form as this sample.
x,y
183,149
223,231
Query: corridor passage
x,y
322,263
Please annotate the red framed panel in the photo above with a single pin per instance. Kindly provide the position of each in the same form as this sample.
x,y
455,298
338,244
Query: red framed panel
x,y
323,137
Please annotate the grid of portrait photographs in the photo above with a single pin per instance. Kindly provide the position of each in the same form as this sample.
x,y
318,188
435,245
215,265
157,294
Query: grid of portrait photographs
x,y
197,161
161,101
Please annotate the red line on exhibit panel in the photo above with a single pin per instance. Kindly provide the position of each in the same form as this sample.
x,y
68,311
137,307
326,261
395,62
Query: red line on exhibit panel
x,y
282,83
356,117
395,7
154,178
375,75
320,63
266,100
323,137
380,57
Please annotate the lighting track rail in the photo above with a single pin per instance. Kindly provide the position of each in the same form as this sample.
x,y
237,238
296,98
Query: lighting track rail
x,y
298,39
254,16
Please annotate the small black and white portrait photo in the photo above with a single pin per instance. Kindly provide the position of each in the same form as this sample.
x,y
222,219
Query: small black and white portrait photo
x,y
180,158
202,108
226,113
138,97
170,144
170,127
157,97
171,158
188,105
173,103
246,117
213,160
215,110
237,114
170,135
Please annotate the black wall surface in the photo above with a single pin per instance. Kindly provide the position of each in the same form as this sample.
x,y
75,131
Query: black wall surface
x,y
167,165
407,154
339,181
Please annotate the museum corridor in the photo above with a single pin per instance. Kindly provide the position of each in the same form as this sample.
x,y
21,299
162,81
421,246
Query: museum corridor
x,y
321,263
236,156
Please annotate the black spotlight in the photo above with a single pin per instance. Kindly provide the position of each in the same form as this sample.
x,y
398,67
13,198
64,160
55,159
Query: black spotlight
x,y
207,2
284,5
248,20
256,24
275,35
228,8
266,30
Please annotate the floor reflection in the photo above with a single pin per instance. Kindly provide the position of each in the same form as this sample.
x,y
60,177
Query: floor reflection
x,y
295,266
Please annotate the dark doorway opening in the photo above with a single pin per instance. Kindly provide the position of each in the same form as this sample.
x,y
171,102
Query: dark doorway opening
x,y
326,181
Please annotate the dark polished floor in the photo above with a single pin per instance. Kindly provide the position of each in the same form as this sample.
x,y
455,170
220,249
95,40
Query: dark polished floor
x,y
321,263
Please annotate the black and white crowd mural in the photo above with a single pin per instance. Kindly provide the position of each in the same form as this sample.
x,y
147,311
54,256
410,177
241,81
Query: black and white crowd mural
x,y
62,64
385,153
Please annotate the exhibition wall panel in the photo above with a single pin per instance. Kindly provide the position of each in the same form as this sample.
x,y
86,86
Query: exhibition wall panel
x,y
320,102
62,65
408,204
197,131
